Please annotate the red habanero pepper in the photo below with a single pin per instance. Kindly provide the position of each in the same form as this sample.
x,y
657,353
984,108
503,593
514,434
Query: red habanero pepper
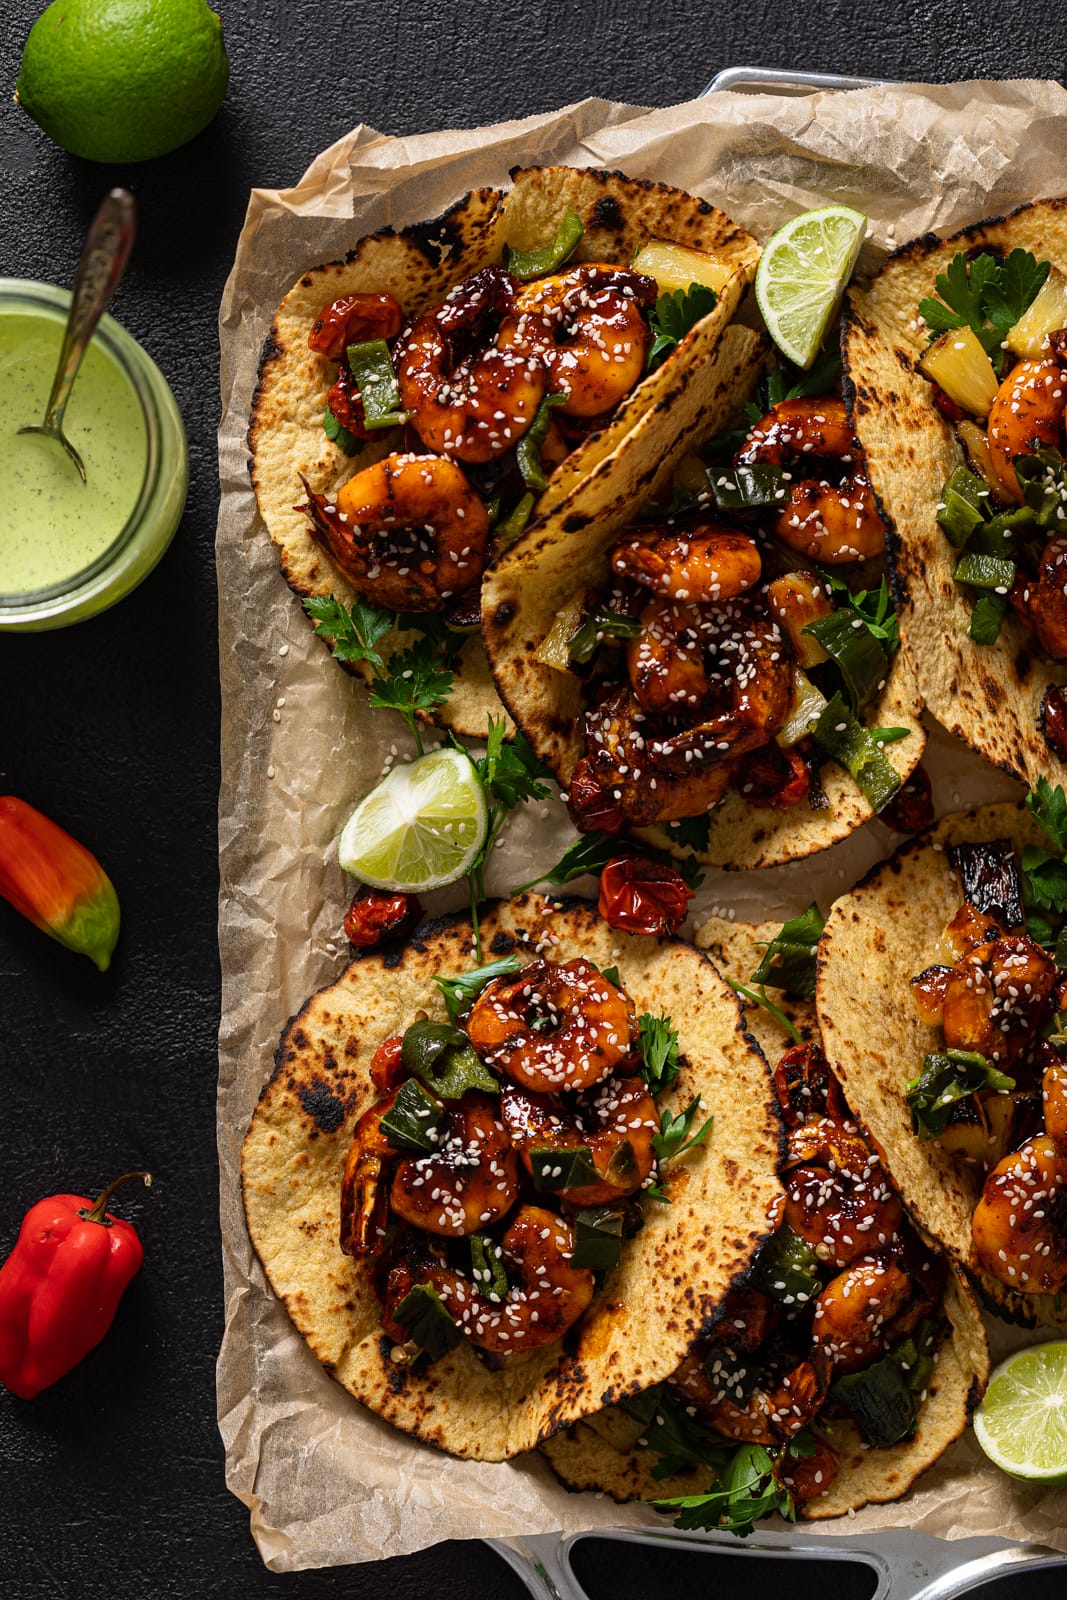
x,y
55,882
377,915
641,896
61,1285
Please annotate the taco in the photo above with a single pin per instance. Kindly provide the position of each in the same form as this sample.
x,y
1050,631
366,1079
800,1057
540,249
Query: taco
x,y
840,1366
709,674
964,444
938,1011
473,372
441,1314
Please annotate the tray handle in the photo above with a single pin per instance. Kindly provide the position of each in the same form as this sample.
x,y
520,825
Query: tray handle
x,y
772,80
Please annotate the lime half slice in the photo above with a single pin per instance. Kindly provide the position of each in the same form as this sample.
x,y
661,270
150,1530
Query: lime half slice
x,y
802,275
1022,1422
422,827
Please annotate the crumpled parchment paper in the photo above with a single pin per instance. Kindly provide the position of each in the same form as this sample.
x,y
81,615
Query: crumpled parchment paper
x,y
325,1481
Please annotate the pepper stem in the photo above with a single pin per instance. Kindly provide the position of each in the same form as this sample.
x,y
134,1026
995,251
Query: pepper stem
x,y
96,1212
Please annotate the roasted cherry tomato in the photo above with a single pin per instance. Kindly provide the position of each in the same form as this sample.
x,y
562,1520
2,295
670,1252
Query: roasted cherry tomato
x,y
912,808
947,406
377,915
353,319
1054,720
776,779
641,896
387,1068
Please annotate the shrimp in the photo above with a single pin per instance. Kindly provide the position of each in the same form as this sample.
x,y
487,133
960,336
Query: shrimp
x,y
1027,415
770,1415
852,1311
749,671
587,326
408,533
826,522
665,661
1042,603
465,395
997,997
364,1188
545,1294
1019,1225
838,1198
706,561
614,786
468,1181
554,1025
615,1121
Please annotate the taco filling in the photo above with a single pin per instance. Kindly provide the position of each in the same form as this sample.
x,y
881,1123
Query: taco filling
x,y
728,652
506,1158
995,1093
998,367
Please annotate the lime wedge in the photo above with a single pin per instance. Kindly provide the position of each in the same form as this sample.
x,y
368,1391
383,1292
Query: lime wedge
x,y
1022,1422
422,827
802,275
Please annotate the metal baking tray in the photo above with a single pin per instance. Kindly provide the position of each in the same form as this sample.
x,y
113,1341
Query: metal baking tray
x,y
901,1564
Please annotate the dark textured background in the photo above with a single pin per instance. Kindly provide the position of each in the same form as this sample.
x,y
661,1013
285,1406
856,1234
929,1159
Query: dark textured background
x,y
113,1480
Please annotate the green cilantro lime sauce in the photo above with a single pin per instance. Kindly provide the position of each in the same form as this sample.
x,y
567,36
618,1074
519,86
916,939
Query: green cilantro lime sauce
x,y
54,525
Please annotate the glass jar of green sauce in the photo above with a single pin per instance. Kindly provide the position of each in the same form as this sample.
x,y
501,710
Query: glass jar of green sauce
x,y
69,549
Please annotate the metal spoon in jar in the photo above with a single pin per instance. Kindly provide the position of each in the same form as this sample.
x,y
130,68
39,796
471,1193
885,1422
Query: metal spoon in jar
x,y
107,249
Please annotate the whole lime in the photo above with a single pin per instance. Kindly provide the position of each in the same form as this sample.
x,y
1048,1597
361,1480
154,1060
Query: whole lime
x,y
123,80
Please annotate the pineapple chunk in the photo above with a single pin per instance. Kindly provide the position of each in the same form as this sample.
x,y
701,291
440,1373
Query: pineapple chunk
x,y
795,600
975,442
808,706
692,475
674,266
1047,314
552,651
957,363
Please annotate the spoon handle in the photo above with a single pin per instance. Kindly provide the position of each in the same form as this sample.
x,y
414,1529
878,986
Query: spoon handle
x,y
107,246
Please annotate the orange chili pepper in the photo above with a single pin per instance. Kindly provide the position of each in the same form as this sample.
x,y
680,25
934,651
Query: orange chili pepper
x,y
55,882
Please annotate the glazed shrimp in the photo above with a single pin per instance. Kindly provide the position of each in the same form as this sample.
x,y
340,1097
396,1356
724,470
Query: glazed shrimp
x,y
615,1121
854,1309
1019,1225
665,661
555,1025
587,328
1026,416
997,997
838,1198
704,561
770,1415
750,672
1042,603
364,1187
545,1294
614,786
466,395
831,523
408,533
470,1179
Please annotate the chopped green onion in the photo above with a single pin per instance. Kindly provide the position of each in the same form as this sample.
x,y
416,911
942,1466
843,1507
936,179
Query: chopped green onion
x,y
985,572
487,1267
507,530
963,500
372,368
854,650
598,1236
526,264
552,1170
787,1269
413,1119
597,625
528,449
848,743
444,1059
429,1325
748,488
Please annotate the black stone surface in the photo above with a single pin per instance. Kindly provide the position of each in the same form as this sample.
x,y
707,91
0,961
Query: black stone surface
x,y
113,1480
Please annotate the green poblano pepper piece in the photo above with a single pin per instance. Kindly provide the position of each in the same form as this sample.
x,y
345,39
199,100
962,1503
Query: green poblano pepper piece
x,y
526,264
443,1058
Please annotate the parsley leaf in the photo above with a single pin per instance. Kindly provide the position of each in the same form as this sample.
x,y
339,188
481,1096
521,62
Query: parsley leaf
x,y
591,853
693,832
1048,807
416,680
675,1438
986,295
673,1138
658,1044
352,634
787,382
987,618
748,1488
459,992
1044,879
674,315
873,606
509,769
789,959
759,998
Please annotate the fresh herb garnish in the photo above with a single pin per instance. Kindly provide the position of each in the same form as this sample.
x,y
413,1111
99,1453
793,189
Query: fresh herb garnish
x,y
658,1044
1044,872
352,634
948,1076
1048,807
414,681
749,1487
459,993
789,959
692,832
673,1138
873,606
612,975
987,618
591,854
986,295
339,435
758,997
674,315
